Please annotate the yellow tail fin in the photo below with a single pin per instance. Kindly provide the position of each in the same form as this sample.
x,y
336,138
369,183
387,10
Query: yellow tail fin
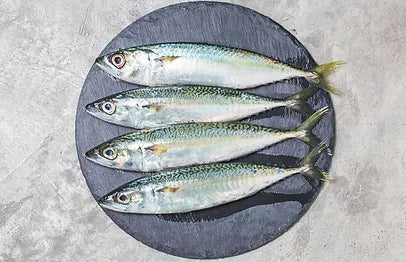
x,y
323,71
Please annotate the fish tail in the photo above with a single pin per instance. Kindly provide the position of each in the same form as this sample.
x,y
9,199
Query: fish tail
x,y
305,129
321,73
309,161
298,101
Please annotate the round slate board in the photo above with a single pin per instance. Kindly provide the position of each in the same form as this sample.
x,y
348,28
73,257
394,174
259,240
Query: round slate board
x,y
236,227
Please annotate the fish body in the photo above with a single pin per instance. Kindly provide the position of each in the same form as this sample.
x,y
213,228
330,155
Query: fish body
x,y
203,64
161,106
200,187
192,144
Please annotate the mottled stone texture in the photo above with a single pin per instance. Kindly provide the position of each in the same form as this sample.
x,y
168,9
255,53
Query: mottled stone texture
x,y
47,211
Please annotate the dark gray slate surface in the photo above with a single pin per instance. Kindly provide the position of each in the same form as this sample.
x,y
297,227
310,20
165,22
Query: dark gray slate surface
x,y
237,227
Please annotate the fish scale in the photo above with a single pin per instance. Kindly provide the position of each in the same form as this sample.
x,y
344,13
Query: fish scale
x,y
208,130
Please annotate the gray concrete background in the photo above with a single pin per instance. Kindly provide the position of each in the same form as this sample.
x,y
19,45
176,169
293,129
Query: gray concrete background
x,y
46,210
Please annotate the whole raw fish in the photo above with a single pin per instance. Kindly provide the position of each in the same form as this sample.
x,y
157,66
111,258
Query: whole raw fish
x,y
204,64
161,106
192,144
205,186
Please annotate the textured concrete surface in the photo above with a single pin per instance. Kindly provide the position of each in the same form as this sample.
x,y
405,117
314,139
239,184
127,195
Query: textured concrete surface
x,y
47,212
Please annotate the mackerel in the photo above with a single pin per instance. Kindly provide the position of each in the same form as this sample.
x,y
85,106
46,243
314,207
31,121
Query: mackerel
x,y
193,144
205,64
195,188
155,107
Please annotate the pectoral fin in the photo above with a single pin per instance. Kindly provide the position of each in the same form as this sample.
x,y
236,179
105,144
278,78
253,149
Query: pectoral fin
x,y
170,189
167,59
167,189
154,107
158,148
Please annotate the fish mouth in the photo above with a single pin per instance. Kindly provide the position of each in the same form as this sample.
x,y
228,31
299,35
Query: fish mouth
x,y
106,201
104,65
91,109
101,63
91,155
99,60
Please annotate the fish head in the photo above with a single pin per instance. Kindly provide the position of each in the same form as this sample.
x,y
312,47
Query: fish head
x,y
124,199
114,153
123,64
113,109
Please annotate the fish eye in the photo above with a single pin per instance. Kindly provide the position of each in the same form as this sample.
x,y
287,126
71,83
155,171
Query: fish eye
x,y
109,153
108,107
118,60
122,198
